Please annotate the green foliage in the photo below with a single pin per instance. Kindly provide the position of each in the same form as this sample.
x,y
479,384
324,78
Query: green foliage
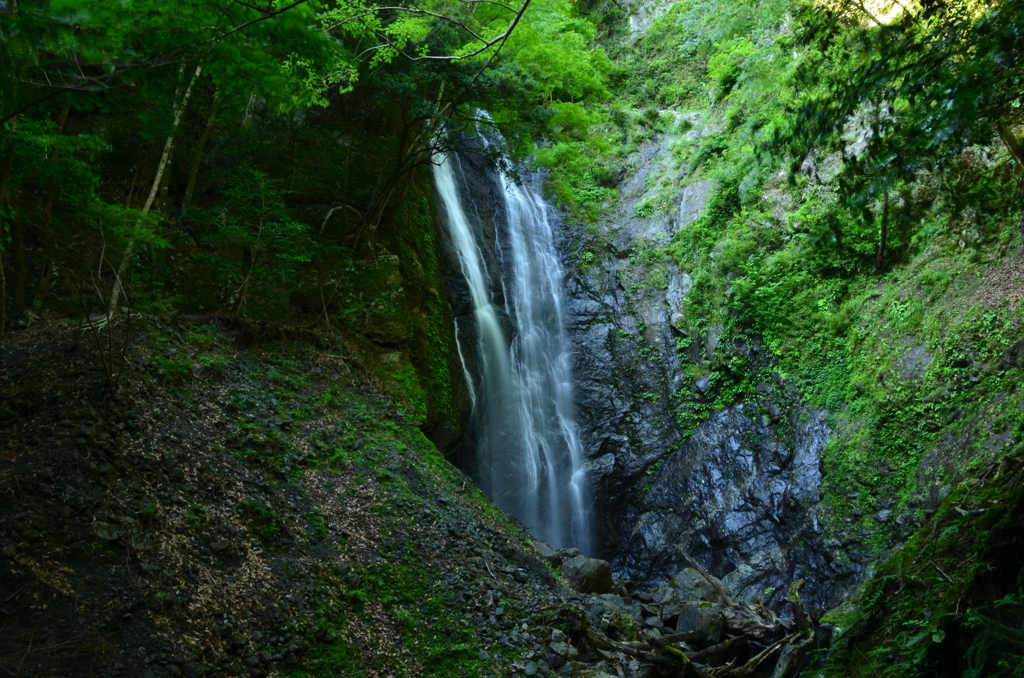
x,y
256,221
260,520
726,65
552,54
412,393
644,209
285,56
576,180
652,71
175,371
948,602
196,516
998,646
318,526
916,92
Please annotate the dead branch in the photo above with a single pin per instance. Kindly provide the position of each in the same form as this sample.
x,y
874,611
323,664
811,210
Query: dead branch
x,y
719,649
714,581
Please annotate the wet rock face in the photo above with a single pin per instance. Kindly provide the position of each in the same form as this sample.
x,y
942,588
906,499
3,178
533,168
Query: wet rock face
x,y
741,497
626,369
739,494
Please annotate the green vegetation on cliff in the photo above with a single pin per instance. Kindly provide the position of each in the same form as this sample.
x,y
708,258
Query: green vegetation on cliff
x,y
862,220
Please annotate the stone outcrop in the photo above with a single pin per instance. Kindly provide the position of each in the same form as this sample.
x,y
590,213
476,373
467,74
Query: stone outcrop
x,y
741,495
588,575
740,491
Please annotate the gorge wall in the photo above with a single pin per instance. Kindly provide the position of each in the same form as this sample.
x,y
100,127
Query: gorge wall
x,y
752,479
740,492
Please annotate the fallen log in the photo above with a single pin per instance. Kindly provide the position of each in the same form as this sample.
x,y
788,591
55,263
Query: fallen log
x,y
787,642
715,650
789,659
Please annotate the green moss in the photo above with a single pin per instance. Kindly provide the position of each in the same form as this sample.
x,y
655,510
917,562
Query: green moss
x,y
415,242
317,527
932,608
260,520
403,588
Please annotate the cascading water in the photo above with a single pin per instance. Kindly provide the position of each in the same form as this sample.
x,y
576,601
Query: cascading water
x,y
523,429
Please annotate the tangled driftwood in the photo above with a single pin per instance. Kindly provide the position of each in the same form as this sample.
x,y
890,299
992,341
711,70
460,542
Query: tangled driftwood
x,y
756,638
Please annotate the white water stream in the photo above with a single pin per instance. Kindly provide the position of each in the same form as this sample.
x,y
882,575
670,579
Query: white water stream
x,y
523,429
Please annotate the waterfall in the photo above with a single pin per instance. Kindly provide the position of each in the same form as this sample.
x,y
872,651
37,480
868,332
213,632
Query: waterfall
x,y
523,429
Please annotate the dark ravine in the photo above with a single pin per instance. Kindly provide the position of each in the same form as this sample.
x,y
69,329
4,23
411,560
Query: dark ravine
x,y
793,257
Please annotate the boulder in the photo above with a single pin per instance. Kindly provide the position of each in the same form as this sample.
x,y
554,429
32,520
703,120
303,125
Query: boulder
x,y
688,585
1013,357
106,531
703,621
608,605
548,553
588,575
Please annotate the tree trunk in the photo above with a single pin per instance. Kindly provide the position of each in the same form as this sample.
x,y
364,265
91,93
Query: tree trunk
x,y
18,262
405,162
45,275
186,202
3,198
884,235
179,109
157,264
247,116
53,192
291,150
136,175
254,252
243,289
3,290
1013,144
162,201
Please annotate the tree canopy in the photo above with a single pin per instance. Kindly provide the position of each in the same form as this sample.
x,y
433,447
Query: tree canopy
x,y
124,124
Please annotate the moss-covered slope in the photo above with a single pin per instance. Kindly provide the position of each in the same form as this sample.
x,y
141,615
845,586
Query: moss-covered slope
x,y
267,510
949,602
